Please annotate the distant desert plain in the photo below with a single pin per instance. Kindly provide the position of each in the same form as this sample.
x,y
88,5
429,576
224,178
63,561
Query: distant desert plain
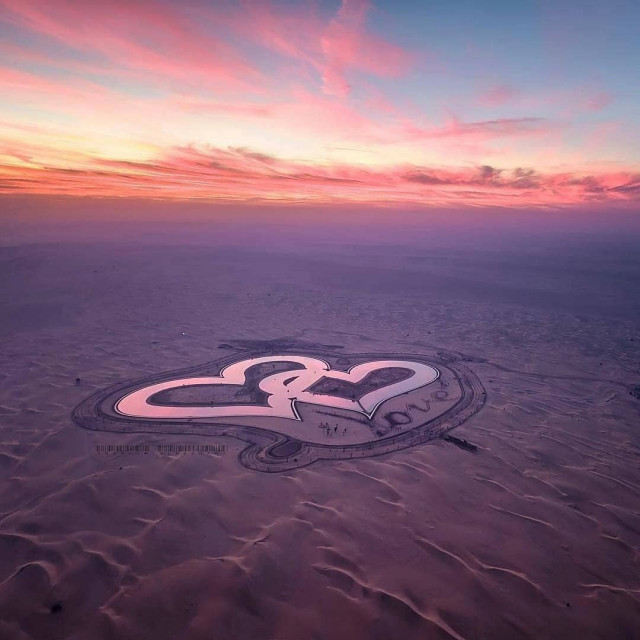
x,y
349,433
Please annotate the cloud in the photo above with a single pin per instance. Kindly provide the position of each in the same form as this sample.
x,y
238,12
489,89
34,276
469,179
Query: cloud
x,y
599,101
530,185
216,107
498,95
147,36
346,45
525,179
486,129
632,186
488,173
241,174
421,177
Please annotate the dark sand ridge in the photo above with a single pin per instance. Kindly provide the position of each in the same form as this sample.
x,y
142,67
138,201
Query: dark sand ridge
x,y
535,535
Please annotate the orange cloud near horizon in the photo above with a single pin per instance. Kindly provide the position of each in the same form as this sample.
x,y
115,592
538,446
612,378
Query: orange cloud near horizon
x,y
242,175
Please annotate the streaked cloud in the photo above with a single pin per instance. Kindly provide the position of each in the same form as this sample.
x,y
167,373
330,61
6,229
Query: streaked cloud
x,y
240,174
498,95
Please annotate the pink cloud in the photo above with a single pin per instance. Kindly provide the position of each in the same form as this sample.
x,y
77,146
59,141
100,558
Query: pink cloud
x,y
346,44
143,35
498,95
487,129
309,113
55,94
231,109
240,174
204,45
333,48
599,101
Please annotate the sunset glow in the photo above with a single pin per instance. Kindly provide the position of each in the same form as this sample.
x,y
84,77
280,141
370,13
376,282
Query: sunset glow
x,y
320,102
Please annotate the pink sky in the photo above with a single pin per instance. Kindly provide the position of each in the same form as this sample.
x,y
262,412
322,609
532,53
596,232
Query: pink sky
x,y
319,102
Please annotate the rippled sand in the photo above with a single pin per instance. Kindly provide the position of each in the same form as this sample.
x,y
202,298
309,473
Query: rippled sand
x,y
536,535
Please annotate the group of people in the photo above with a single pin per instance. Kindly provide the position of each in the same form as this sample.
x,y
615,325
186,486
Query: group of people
x,y
328,429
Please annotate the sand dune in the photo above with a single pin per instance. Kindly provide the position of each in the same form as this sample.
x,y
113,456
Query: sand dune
x,y
536,535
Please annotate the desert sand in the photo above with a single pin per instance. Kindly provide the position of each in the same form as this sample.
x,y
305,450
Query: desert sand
x,y
536,534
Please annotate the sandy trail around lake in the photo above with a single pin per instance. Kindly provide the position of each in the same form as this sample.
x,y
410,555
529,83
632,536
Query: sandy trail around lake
x,y
535,535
